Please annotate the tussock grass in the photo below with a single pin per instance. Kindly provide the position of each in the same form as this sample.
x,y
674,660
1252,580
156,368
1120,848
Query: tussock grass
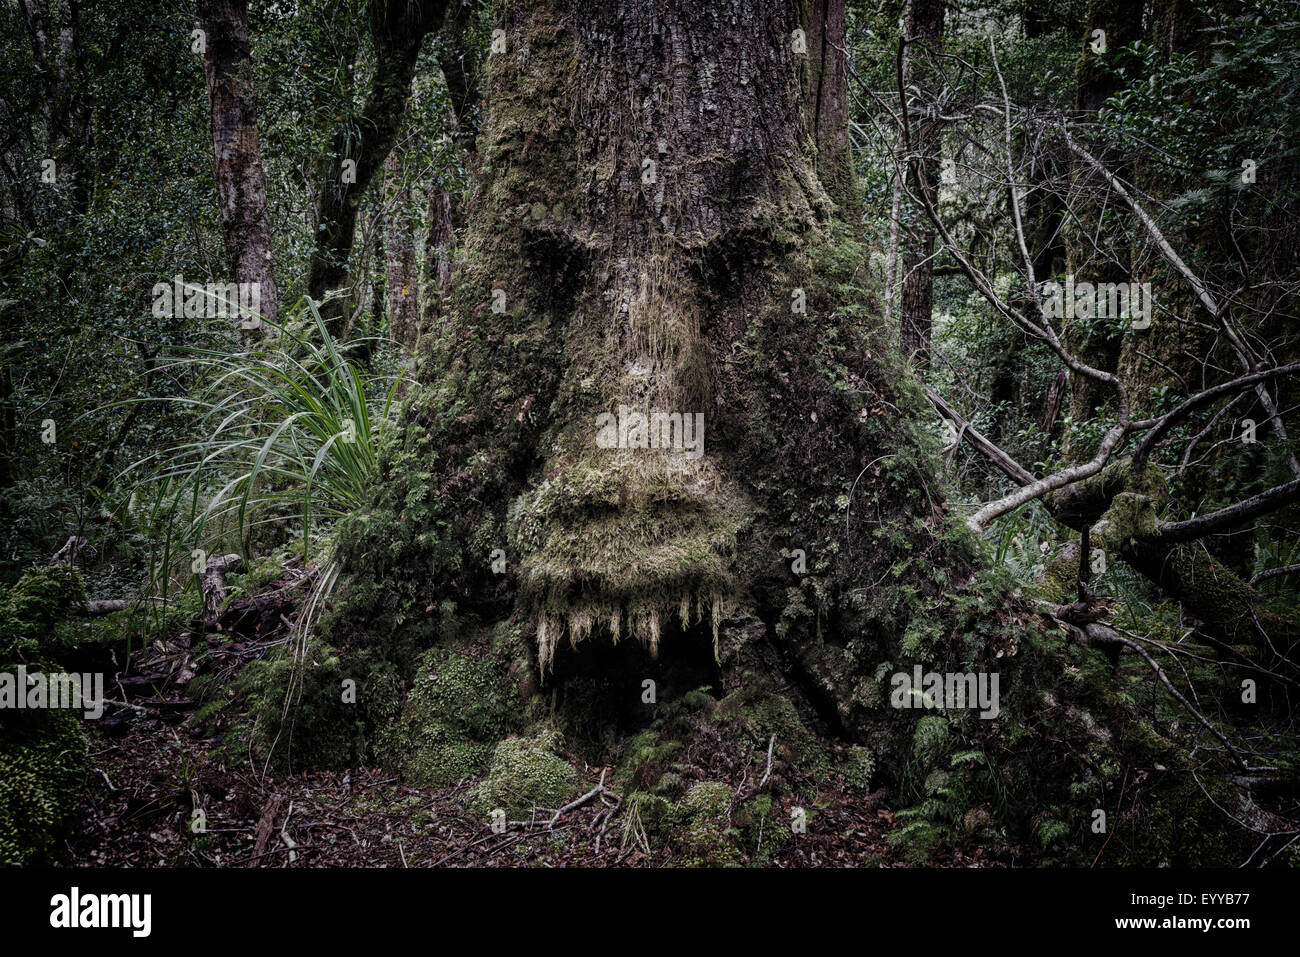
x,y
287,436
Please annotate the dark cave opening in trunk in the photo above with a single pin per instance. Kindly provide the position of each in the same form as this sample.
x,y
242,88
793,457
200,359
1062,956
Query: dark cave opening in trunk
x,y
609,691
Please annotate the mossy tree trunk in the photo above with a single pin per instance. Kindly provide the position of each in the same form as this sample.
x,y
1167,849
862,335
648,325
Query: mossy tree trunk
x,y
662,224
461,66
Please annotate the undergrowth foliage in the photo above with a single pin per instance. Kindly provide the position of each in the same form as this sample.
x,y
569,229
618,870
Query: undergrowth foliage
x,y
289,433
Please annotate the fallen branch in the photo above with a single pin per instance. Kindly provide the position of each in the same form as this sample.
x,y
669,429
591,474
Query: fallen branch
x,y
105,606
771,742
1232,515
579,802
1008,465
289,842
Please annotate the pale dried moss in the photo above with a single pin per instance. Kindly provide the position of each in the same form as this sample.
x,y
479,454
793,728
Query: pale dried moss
x,y
619,542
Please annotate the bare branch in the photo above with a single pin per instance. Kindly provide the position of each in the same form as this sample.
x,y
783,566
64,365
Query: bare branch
x,y
994,454
1228,517
1274,573
1169,419
1218,312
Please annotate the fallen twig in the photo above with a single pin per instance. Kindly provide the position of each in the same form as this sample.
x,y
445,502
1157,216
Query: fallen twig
x,y
599,788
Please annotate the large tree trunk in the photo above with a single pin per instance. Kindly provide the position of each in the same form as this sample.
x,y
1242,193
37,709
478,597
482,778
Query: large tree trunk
x,y
241,182
654,230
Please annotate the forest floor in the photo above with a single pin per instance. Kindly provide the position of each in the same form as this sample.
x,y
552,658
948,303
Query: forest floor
x,y
136,812
142,786
150,767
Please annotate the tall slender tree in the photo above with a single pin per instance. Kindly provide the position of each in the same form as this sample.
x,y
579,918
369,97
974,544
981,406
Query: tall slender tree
x,y
237,156
924,35
361,146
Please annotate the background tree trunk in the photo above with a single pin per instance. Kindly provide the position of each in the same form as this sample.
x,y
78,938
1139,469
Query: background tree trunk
x,y
446,214
1121,23
924,30
56,46
237,167
398,29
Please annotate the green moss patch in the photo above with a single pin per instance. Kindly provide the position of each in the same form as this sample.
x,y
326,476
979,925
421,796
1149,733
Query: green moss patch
x,y
710,838
526,774
42,761
30,610
459,706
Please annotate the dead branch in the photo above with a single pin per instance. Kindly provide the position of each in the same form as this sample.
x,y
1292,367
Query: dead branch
x,y
213,582
968,432
578,802
67,555
1216,310
1111,635
105,606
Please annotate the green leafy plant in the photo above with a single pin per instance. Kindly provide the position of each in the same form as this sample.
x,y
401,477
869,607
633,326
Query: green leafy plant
x,y
288,442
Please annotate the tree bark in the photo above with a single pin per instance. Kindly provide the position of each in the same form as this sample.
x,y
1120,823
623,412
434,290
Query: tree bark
x,y
237,166
441,238
924,28
826,103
